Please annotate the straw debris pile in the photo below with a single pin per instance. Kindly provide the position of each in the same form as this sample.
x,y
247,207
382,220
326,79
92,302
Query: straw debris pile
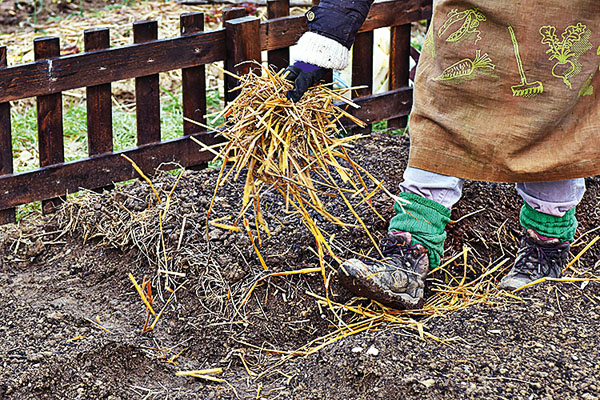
x,y
292,148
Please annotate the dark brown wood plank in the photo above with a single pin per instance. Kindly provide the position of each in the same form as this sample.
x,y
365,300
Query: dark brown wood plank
x,y
379,107
98,100
58,179
282,32
104,66
243,47
102,170
280,58
362,68
230,13
193,79
399,65
285,32
147,95
394,13
6,158
126,62
229,81
49,118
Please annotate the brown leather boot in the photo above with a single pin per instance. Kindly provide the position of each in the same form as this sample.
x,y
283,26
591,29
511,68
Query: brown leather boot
x,y
398,280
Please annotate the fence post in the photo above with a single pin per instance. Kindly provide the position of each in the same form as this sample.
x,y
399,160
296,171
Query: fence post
x,y
399,65
362,68
147,96
193,79
279,58
98,100
229,81
6,157
49,117
243,44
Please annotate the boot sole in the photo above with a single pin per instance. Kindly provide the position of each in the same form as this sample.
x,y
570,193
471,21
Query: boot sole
x,y
363,286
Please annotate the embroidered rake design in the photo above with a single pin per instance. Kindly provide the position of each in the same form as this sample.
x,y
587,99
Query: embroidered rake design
x,y
524,89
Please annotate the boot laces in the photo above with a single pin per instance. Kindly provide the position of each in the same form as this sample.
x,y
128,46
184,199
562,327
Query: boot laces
x,y
538,259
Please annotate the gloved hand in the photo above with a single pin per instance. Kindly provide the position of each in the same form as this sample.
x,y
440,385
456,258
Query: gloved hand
x,y
303,76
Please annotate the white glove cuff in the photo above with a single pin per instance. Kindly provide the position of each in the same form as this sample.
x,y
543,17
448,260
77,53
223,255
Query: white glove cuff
x,y
321,51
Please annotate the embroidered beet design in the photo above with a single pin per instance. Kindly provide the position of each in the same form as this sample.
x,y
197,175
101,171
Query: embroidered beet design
x,y
566,52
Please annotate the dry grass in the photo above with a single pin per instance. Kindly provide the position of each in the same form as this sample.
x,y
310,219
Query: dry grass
x,y
294,149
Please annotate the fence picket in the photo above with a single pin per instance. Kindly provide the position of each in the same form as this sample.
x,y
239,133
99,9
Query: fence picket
x,y
49,117
243,47
98,100
241,40
193,79
362,68
6,157
230,82
280,58
147,96
399,65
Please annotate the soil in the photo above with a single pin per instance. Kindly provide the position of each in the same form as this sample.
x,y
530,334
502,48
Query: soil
x,y
57,289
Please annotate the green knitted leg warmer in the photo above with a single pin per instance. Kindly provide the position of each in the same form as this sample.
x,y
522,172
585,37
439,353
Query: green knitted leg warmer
x,y
425,220
548,225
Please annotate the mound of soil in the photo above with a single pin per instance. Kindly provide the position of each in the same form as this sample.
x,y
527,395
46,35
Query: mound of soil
x,y
71,319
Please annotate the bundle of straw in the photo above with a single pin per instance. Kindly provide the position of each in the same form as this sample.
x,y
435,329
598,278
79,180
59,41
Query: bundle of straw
x,y
294,148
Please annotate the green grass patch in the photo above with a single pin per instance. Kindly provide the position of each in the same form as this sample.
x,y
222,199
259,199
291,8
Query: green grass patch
x,y
25,140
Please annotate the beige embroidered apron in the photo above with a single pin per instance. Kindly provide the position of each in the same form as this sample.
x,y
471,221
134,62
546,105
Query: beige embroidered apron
x,y
509,91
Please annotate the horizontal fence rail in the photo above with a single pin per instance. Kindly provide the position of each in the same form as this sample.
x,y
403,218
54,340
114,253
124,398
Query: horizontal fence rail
x,y
242,38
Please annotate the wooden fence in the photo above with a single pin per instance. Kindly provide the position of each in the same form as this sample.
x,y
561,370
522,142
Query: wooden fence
x,y
242,38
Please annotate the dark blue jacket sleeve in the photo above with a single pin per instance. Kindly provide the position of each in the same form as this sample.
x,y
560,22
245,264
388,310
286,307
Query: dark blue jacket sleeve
x,y
339,20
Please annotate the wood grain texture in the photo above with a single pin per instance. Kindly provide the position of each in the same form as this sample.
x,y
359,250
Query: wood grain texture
x,y
362,69
280,58
102,170
193,79
49,118
98,100
6,159
147,94
230,82
243,47
379,107
399,65
125,62
285,32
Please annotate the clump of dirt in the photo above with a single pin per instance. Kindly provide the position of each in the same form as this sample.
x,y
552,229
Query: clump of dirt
x,y
72,320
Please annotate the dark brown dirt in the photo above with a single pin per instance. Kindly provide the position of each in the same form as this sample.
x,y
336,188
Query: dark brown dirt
x,y
55,289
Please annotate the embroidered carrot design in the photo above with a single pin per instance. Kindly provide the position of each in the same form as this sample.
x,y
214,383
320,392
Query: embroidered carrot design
x,y
465,68
575,41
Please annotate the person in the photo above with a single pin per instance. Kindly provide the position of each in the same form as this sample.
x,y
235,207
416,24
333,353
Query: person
x,y
504,92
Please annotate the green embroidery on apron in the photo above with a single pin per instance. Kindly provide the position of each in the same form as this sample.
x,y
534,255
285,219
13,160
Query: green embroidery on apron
x,y
575,41
467,69
524,89
429,45
587,89
471,19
